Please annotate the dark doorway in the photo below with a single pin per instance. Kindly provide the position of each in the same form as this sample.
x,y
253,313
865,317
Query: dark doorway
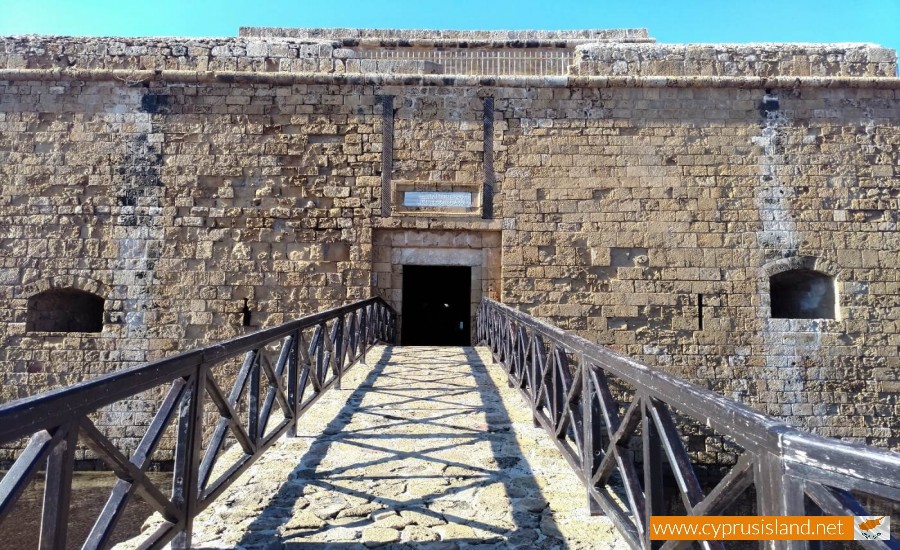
x,y
436,305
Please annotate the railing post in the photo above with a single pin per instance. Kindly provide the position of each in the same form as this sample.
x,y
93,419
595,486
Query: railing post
x,y
537,375
482,311
381,327
499,319
322,334
382,324
185,485
293,379
487,323
253,427
492,332
376,321
654,497
352,335
522,353
364,331
393,317
777,494
339,350
58,490
487,327
591,434
478,322
511,360
373,323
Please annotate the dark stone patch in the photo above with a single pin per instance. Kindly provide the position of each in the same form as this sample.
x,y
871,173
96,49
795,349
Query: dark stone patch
x,y
128,198
505,462
769,105
156,104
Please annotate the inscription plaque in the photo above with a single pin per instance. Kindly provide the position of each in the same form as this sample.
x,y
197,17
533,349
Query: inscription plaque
x,y
437,199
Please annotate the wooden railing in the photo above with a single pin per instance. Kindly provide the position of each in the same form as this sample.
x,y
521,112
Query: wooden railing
x,y
612,418
312,354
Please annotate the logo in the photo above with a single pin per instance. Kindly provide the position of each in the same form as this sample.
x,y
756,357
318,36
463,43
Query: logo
x,y
871,527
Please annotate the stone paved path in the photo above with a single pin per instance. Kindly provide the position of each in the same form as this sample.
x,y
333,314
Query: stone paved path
x,y
423,448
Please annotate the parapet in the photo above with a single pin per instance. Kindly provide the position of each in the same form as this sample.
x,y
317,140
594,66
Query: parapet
x,y
762,60
464,39
190,54
619,52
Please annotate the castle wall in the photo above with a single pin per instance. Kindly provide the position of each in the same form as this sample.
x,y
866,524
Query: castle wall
x,y
765,60
187,200
628,216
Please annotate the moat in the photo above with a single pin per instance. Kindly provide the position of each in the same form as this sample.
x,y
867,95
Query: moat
x,y
89,493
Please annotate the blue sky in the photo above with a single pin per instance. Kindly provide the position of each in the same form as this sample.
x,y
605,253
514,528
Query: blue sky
x,y
875,21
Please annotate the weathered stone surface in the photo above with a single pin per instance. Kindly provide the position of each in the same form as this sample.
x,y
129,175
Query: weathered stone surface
x,y
454,531
361,511
734,59
377,420
423,519
195,204
378,536
341,534
418,533
328,507
303,520
395,521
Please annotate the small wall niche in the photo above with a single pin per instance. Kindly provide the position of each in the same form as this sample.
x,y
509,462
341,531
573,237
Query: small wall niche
x,y
802,294
65,310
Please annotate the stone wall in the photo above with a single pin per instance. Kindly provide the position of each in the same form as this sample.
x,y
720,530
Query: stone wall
x,y
628,52
765,60
196,54
430,37
626,216
183,198
179,205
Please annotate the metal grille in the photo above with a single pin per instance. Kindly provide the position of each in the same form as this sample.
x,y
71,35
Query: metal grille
x,y
483,62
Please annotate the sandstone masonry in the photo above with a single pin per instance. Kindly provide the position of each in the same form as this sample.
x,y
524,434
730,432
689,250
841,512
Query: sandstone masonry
x,y
641,195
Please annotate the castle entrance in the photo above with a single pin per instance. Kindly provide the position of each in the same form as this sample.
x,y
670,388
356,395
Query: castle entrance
x,y
413,268
436,305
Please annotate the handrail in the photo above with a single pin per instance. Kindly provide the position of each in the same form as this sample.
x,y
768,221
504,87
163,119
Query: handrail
x,y
565,379
56,421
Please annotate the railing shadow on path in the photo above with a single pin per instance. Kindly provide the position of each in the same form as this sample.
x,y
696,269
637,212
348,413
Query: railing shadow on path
x,y
416,458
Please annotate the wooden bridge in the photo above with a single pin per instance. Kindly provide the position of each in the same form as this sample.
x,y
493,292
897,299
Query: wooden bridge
x,y
426,447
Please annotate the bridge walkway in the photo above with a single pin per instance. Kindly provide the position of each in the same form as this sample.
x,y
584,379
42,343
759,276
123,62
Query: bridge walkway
x,y
424,447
